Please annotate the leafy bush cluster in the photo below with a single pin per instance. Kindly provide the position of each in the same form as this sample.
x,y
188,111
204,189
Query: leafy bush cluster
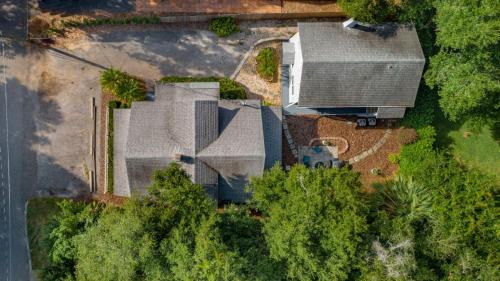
x,y
267,63
317,224
224,26
89,22
122,86
229,89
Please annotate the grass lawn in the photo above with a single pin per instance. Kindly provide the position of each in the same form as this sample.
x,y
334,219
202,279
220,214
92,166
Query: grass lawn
x,y
39,212
474,149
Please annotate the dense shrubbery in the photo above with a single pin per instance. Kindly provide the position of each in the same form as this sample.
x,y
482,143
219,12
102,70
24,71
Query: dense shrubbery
x,y
229,89
57,238
122,86
267,63
317,224
224,26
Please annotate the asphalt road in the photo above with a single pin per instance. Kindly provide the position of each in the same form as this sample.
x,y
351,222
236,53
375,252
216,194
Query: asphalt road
x,y
81,6
15,176
14,18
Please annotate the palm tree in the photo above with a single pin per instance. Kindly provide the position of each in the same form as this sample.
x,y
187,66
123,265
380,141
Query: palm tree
x,y
404,197
110,79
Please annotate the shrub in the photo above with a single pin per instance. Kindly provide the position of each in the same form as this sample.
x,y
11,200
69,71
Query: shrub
x,y
266,63
224,26
124,87
416,157
393,158
423,113
229,89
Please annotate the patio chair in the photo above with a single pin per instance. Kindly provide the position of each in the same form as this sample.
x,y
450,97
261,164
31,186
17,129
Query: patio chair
x,y
306,160
317,149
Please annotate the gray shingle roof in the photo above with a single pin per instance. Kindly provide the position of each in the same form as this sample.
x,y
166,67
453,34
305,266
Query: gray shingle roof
x,y
272,116
218,139
349,67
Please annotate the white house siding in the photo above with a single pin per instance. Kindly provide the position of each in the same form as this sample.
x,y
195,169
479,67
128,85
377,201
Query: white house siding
x,y
295,71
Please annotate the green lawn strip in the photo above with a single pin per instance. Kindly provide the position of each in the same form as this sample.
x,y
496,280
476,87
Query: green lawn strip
x,y
40,210
478,150
229,89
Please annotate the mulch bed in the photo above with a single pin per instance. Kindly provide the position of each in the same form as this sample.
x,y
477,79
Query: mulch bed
x,y
305,128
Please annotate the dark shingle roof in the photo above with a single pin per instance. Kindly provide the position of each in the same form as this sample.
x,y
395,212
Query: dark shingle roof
x,y
345,67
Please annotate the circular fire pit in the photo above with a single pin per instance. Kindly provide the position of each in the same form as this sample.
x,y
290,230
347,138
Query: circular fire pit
x,y
341,143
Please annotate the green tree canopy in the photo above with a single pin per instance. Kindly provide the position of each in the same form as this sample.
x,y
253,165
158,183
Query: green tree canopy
x,y
466,70
315,219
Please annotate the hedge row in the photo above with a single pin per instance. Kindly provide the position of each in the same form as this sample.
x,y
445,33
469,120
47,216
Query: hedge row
x,y
87,22
229,89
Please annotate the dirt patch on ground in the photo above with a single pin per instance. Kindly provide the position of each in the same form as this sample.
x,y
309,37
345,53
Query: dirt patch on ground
x,y
48,85
305,129
257,87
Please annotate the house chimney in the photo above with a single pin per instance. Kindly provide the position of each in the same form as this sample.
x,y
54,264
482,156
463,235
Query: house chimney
x,y
350,23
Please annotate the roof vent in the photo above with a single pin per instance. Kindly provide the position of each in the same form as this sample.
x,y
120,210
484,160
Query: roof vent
x,y
350,23
353,24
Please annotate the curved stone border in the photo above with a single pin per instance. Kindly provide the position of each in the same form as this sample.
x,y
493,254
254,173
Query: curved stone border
x,y
249,52
372,149
346,143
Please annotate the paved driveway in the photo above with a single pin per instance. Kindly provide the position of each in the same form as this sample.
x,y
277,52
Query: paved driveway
x,y
13,18
153,52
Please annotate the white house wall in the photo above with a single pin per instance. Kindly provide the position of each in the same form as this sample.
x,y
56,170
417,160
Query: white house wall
x,y
295,71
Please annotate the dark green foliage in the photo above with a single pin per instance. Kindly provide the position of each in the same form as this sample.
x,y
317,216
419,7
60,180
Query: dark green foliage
x,y
426,106
229,89
122,86
243,234
57,237
170,234
224,26
466,70
370,11
315,220
267,63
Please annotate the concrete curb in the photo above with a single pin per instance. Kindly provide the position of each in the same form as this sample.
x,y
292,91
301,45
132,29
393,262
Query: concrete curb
x,y
249,52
